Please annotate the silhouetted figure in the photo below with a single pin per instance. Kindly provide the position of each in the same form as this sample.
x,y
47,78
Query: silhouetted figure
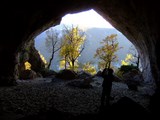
x,y
107,74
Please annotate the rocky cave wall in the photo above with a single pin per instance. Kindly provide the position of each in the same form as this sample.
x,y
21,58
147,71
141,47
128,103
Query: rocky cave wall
x,y
137,20
28,53
139,23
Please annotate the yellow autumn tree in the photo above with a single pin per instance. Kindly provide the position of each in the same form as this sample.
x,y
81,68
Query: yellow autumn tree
x,y
132,58
88,67
107,52
74,45
127,60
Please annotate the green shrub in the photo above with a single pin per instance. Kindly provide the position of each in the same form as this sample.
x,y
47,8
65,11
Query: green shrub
x,y
126,68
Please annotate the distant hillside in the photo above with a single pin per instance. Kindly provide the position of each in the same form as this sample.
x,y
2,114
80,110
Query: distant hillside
x,y
93,38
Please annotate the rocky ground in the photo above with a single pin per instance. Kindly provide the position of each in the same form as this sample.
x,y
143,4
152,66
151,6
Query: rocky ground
x,y
31,97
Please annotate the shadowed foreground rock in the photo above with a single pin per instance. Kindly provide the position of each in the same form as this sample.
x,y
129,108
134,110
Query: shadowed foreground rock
x,y
125,108
128,107
45,99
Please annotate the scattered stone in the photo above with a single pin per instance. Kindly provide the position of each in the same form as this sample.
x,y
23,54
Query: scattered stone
x,y
41,95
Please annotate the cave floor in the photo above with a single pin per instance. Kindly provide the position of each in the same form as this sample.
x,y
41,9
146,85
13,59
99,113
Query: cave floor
x,y
48,98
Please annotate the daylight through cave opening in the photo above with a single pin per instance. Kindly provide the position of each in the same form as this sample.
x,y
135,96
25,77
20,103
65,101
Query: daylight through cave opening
x,y
134,19
95,28
42,48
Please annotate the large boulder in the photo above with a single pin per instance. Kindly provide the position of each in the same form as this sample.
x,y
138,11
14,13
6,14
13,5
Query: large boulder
x,y
117,79
66,74
99,73
133,79
80,84
28,74
83,75
126,106
87,82
48,73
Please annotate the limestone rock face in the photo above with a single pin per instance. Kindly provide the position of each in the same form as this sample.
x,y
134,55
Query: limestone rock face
x,y
135,19
34,59
31,55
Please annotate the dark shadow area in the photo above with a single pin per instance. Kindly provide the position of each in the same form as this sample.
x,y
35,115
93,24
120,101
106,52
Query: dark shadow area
x,y
43,96
125,108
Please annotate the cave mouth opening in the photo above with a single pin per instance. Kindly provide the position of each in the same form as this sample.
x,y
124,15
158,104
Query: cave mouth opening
x,y
133,18
35,55
95,28
94,33
61,97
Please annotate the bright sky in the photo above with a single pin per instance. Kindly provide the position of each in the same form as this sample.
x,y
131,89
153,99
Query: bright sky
x,y
86,19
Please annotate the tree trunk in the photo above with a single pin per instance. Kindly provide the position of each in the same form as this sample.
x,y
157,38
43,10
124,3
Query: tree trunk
x,y
138,59
50,61
109,64
73,65
65,65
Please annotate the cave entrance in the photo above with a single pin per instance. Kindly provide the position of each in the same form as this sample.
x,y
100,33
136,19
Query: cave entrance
x,y
61,98
94,33
95,28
